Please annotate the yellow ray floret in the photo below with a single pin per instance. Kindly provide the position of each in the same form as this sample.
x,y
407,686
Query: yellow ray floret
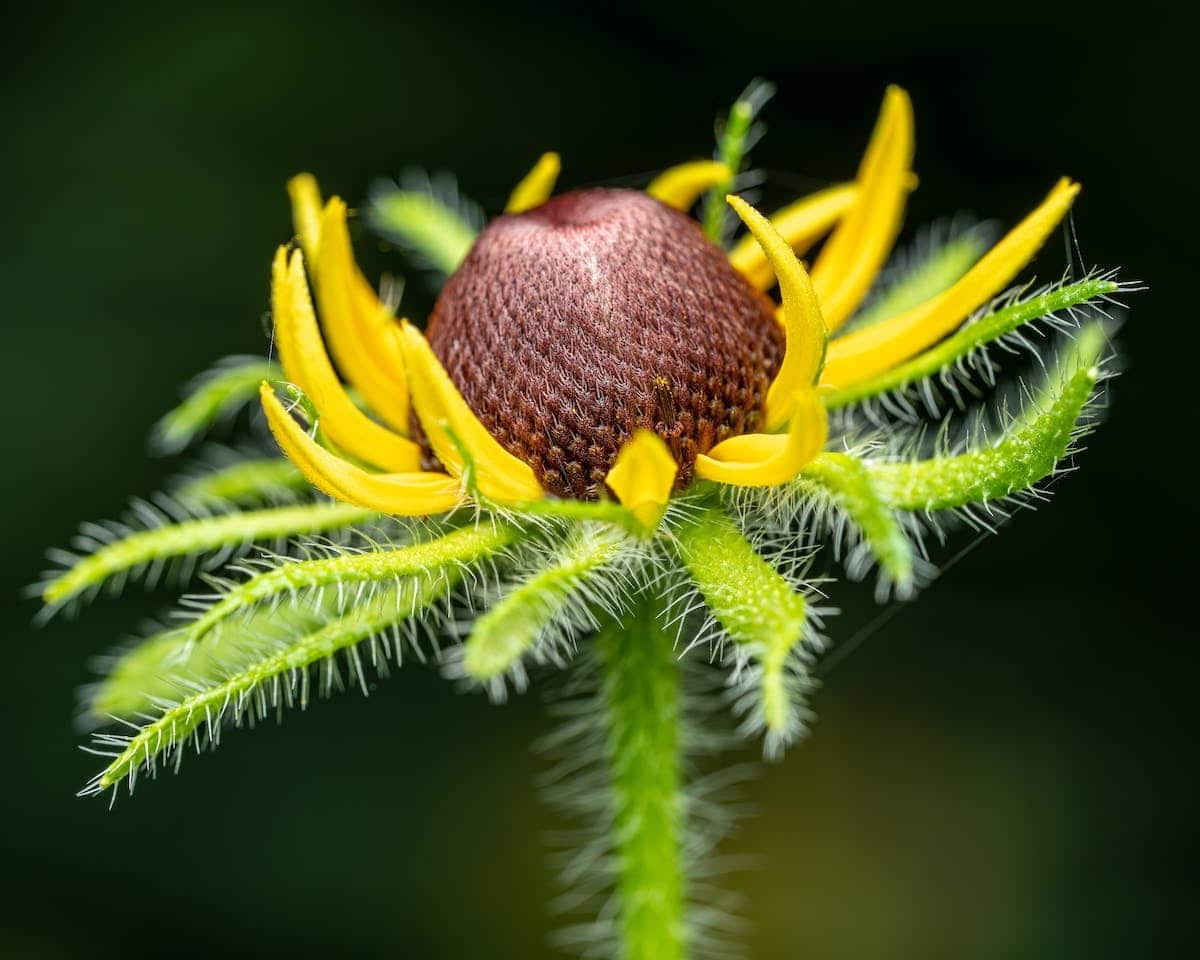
x,y
769,459
801,224
682,186
360,329
306,364
455,433
642,477
805,327
362,332
400,494
881,346
537,186
849,262
306,211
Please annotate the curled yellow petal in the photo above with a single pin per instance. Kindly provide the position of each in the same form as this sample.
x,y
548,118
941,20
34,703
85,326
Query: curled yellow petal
x,y
849,262
536,187
453,430
769,459
306,211
306,364
803,323
681,186
881,346
642,477
407,494
363,334
801,224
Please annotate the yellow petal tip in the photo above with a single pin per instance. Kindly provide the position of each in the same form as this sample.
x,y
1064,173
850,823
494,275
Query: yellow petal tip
x,y
305,195
537,185
643,476
682,185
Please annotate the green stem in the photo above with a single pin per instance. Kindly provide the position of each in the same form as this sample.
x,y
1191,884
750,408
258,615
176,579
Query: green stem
x,y
643,713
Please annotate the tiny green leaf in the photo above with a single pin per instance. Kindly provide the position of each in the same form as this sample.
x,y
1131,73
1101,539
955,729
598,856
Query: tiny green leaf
x,y
420,222
732,143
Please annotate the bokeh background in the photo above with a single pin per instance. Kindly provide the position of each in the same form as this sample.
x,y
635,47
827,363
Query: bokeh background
x,y
1003,770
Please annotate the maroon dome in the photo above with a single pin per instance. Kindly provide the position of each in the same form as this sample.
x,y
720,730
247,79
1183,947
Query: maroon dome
x,y
570,325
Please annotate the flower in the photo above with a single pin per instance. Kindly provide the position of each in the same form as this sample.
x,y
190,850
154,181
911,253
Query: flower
x,y
608,446
580,327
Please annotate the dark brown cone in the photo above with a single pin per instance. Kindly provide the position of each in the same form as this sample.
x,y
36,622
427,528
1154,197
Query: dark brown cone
x,y
570,325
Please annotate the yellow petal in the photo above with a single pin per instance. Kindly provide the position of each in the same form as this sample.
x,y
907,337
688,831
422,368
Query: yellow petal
x,y
306,364
801,224
849,262
642,477
681,186
453,429
306,211
364,336
769,459
537,186
881,346
400,494
803,322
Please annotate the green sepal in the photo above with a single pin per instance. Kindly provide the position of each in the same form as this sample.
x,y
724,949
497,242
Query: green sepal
x,y
759,610
567,579
848,483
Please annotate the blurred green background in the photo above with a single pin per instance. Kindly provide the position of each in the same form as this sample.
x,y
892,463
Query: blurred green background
x,y
1003,770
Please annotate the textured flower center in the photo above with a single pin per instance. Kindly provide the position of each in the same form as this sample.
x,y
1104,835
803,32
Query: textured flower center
x,y
573,324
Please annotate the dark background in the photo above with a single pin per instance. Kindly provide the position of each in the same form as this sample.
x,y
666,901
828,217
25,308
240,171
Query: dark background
x,y
1003,771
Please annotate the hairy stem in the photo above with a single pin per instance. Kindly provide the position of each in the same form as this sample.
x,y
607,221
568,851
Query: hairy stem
x,y
641,693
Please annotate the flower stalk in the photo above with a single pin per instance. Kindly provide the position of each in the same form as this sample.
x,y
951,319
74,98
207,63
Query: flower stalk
x,y
643,713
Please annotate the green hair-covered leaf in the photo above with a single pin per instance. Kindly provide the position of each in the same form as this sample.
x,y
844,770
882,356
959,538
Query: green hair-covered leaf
x,y
357,569
518,619
128,552
274,676
934,272
986,330
266,479
848,483
761,613
157,668
217,393
1025,454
